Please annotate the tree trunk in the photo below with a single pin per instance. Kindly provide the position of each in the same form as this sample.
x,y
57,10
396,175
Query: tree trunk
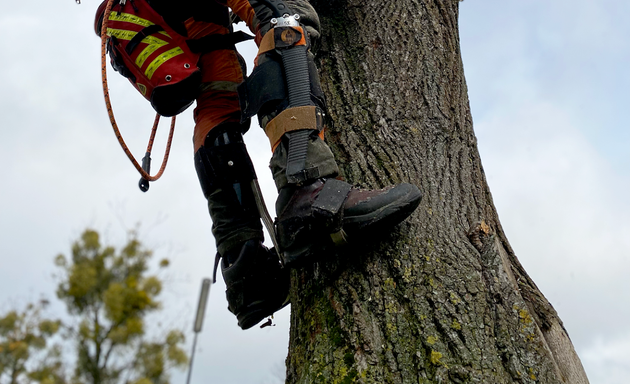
x,y
443,298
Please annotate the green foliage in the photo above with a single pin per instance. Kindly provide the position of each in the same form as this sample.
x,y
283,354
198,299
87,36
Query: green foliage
x,y
25,351
154,358
110,294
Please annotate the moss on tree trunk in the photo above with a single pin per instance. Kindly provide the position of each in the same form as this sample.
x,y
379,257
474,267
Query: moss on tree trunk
x,y
441,299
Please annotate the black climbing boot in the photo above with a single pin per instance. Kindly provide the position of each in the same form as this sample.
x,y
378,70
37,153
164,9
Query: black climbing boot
x,y
330,212
256,284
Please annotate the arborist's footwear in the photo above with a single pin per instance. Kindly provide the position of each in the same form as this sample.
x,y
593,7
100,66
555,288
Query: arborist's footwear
x,y
257,285
330,212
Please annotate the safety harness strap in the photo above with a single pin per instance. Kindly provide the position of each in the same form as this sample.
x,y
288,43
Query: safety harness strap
x,y
296,156
328,207
265,84
293,119
144,32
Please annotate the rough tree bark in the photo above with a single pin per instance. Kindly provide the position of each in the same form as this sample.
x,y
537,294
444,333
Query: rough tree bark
x,y
443,299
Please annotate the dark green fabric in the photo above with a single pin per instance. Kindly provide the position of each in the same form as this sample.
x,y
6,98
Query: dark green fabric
x,y
320,161
231,224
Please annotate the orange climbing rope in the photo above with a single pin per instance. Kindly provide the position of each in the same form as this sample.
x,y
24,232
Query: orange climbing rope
x,y
144,169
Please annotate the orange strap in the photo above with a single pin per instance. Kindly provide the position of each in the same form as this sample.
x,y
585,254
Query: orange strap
x,y
268,42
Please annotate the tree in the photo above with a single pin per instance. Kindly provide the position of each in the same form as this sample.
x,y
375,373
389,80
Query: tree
x,y
110,295
443,299
26,354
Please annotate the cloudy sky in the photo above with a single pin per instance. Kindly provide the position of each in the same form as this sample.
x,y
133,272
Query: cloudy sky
x,y
549,90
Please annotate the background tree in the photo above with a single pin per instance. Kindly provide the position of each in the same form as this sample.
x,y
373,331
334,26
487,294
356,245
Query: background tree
x,y
443,299
110,294
26,352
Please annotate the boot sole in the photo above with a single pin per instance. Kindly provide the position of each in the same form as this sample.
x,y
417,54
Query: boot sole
x,y
257,313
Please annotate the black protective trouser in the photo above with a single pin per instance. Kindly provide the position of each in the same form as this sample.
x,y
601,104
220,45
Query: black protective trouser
x,y
226,172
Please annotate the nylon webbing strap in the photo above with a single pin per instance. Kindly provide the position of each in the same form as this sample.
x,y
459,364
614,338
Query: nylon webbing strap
x,y
296,159
328,207
265,84
289,120
137,39
329,202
